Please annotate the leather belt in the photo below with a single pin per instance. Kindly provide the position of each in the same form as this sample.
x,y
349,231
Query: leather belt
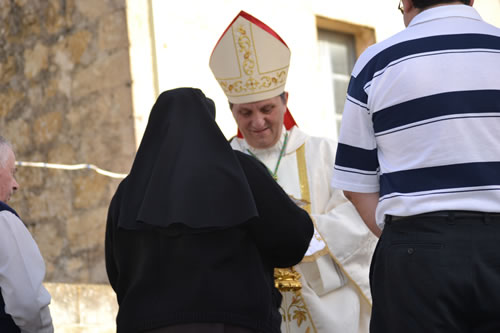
x,y
445,214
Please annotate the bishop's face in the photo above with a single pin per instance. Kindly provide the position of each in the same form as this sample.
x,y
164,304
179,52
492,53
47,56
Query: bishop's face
x,y
261,122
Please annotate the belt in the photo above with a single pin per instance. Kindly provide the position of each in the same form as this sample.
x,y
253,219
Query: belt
x,y
445,214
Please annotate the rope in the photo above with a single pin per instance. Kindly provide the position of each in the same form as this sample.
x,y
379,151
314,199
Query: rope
x,y
71,167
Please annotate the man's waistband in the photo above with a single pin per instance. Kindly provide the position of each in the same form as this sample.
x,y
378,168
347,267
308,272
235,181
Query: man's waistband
x,y
449,215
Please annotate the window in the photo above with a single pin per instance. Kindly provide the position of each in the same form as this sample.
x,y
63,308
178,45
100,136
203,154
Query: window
x,y
339,45
337,57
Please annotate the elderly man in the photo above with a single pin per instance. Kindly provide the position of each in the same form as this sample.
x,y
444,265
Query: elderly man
x,y
419,156
23,300
328,291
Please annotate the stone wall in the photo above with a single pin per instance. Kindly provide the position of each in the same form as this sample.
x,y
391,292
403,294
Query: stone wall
x,y
65,97
79,308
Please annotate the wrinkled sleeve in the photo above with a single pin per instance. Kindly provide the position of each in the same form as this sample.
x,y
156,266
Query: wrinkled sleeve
x,y
356,163
283,230
349,240
22,271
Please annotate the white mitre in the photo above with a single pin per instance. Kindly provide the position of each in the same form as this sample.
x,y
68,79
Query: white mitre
x,y
250,61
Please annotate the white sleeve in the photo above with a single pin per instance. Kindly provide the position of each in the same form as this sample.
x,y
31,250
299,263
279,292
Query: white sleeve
x,y
356,166
22,270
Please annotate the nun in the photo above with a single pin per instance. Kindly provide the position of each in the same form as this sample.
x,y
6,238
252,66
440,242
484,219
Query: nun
x,y
195,231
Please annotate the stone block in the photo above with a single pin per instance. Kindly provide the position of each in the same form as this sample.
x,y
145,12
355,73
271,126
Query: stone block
x,y
35,177
108,71
112,31
55,20
98,305
93,8
62,59
111,111
63,82
7,70
35,60
51,204
8,100
64,306
18,132
120,107
48,237
76,268
97,269
82,308
24,22
78,44
47,127
4,9
62,154
90,189
87,231
35,95
21,3
69,49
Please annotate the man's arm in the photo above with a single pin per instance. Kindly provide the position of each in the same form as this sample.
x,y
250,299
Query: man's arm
x,y
366,204
22,270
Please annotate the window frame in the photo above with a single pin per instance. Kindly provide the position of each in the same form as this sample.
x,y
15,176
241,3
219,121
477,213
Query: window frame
x,y
363,37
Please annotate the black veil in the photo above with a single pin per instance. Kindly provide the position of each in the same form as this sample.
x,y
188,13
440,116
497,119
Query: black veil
x,y
185,172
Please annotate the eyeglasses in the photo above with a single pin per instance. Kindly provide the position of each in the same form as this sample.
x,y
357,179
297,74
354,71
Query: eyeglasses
x,y
400,7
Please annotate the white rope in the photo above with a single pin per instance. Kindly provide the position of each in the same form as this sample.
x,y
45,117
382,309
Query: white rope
x,y
71,167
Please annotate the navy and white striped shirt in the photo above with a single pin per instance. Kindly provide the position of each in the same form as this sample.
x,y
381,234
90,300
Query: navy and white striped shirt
x,y
421,123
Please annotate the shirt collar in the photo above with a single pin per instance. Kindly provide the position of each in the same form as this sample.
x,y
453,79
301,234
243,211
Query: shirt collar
x,y
446,11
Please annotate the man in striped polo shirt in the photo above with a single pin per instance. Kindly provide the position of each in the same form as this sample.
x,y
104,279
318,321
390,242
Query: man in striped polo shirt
x,y
419,156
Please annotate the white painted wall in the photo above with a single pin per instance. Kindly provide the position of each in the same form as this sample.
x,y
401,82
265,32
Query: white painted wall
x,y
186,32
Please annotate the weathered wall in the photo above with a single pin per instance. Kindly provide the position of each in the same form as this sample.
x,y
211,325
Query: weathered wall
x,y
65,98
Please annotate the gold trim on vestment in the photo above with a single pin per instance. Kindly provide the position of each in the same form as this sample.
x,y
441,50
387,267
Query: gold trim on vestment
x,y
304,182
306,196
300,315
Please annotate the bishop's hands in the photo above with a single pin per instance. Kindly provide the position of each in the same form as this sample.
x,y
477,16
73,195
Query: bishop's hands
x,y
299,202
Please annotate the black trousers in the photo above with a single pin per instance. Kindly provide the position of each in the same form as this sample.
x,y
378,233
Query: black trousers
x,y
437,274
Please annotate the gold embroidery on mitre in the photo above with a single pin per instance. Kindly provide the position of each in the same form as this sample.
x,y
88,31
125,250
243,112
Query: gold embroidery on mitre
x,y
253,85
253,82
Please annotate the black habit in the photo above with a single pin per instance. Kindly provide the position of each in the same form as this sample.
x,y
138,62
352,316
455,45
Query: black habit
x,y
195,230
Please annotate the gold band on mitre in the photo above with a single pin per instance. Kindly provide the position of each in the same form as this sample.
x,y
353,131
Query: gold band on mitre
x,y
250,61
